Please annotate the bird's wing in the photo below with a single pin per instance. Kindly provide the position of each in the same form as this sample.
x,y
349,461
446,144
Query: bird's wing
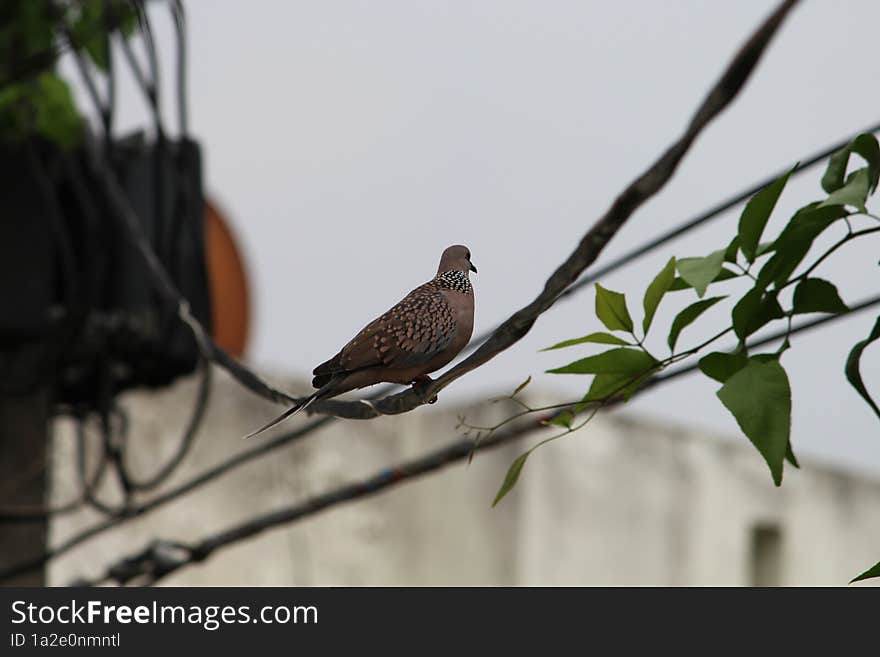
x,y
413,332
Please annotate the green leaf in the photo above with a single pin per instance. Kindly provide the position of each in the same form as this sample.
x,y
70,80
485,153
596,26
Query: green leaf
x,y
688,316
27,31
596,338
521,386
654,294
92,22
563,419
853,365
756,213
866,146
699,272
759,397
853,193
610,362
56,117
745,310
815,295
835,172
125,16
511,477
609,385
790,457
873,571
769,311
14,112
724,275
795,240
90,33
753,311
765,247
721,366
731,250
611,310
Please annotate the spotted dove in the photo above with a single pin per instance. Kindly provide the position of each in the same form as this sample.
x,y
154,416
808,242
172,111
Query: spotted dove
x,y
423,332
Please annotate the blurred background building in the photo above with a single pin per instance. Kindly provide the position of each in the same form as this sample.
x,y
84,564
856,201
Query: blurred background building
x,y
625,501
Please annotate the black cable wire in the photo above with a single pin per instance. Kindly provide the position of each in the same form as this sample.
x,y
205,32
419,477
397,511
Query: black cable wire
x,y
179,15
188,439
89,492
773,337
155,562
111,86
103,107
150,87
144,83
43,60
708,215
154,89
88,486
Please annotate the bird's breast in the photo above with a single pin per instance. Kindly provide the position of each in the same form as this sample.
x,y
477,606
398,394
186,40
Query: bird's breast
x,y
462,305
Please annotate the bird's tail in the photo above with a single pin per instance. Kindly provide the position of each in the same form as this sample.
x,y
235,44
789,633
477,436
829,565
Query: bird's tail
x,y
293,410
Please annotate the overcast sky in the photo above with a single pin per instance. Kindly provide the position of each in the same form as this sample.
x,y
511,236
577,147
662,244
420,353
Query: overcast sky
x,y
350,142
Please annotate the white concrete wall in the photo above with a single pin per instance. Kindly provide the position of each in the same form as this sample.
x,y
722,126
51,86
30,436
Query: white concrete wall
x,y
624,501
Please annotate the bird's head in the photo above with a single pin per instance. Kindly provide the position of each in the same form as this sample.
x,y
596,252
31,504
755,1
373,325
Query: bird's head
x,y
456,258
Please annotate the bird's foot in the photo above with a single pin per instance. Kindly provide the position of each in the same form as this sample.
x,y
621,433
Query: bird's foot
x,y
420,385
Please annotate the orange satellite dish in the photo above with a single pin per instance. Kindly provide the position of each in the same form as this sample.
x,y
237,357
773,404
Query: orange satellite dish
x,y
230,299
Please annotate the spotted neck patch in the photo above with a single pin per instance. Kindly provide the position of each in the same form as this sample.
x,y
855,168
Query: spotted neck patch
x,y
455,280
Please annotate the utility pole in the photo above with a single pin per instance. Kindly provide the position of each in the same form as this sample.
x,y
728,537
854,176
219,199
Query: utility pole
x,y
24,479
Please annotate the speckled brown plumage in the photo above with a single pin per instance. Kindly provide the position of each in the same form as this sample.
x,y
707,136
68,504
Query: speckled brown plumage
x,y
421,325
420,334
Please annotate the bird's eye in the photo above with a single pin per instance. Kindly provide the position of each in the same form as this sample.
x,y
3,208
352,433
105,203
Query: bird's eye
x,y
468,256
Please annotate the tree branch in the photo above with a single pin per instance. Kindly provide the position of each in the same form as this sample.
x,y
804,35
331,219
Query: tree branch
x,y
590,246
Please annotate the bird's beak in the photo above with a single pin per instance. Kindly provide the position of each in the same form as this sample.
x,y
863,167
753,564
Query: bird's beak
x,y
473,269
